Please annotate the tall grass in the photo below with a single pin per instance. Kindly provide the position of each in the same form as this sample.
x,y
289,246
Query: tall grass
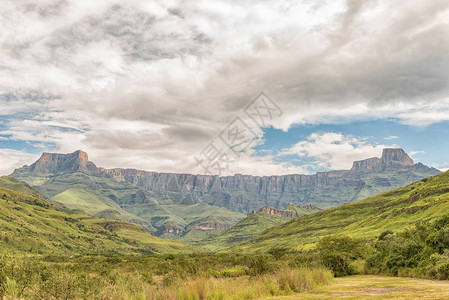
x,y
283,282
157,277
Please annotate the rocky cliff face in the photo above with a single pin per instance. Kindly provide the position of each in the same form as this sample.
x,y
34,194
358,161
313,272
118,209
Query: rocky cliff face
x,y
244,193
369,164
392,157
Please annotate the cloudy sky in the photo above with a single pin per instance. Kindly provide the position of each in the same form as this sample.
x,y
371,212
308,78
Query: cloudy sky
x,y
155,84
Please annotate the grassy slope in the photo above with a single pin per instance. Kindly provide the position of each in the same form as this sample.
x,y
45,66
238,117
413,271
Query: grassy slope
x,y
248,228
394,210
200,214
11,183
244,230
300,210
31,225
85,200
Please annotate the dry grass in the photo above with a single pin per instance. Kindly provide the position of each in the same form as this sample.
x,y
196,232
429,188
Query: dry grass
x,y
377,287
287,281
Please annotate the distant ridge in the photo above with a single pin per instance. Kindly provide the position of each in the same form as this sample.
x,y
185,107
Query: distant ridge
x,y
245,193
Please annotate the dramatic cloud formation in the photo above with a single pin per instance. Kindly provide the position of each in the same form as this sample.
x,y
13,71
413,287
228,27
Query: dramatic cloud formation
x,y
334,150
147,84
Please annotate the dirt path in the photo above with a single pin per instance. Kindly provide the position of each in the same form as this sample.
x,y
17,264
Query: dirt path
x,y
377,287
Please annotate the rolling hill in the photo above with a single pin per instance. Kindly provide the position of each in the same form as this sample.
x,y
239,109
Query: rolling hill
x,y
254,224
424,200
32,225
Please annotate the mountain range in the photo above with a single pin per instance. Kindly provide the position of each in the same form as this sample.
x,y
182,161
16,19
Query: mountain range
x,y
195,207
244,193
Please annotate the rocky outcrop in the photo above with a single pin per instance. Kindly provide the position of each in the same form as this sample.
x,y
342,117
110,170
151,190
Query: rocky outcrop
x,y
311,207
51,163
396,156
396,159
266,210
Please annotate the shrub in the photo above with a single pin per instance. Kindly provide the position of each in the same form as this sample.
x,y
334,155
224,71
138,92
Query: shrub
x,y
259,265
337,253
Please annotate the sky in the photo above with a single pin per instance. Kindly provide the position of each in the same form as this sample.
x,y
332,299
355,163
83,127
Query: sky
x,y
252,87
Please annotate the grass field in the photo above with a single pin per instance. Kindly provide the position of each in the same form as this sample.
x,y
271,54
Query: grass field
x,y
156,277
376,287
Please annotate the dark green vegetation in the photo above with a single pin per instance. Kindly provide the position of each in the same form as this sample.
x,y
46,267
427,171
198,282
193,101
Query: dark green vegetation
x,y
396,210
32,225
420,251
162,277
253,225
74,182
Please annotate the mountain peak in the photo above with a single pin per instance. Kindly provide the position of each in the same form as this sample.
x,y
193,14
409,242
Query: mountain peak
x,y
396,155
81,154
390,157
54,163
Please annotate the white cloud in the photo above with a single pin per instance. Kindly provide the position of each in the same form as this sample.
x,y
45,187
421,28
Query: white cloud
x,y
391,137
334,150
12,159
413,153
148,84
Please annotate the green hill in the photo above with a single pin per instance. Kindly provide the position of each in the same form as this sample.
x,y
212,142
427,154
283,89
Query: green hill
x,y
253,225
395,210
246,229
31,225
11,183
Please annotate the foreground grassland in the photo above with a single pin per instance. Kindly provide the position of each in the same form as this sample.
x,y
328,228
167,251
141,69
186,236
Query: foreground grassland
x,y
377,287
164,277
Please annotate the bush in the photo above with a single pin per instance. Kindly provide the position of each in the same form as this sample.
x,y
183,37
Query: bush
x,y
338,252
278,252
259,265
